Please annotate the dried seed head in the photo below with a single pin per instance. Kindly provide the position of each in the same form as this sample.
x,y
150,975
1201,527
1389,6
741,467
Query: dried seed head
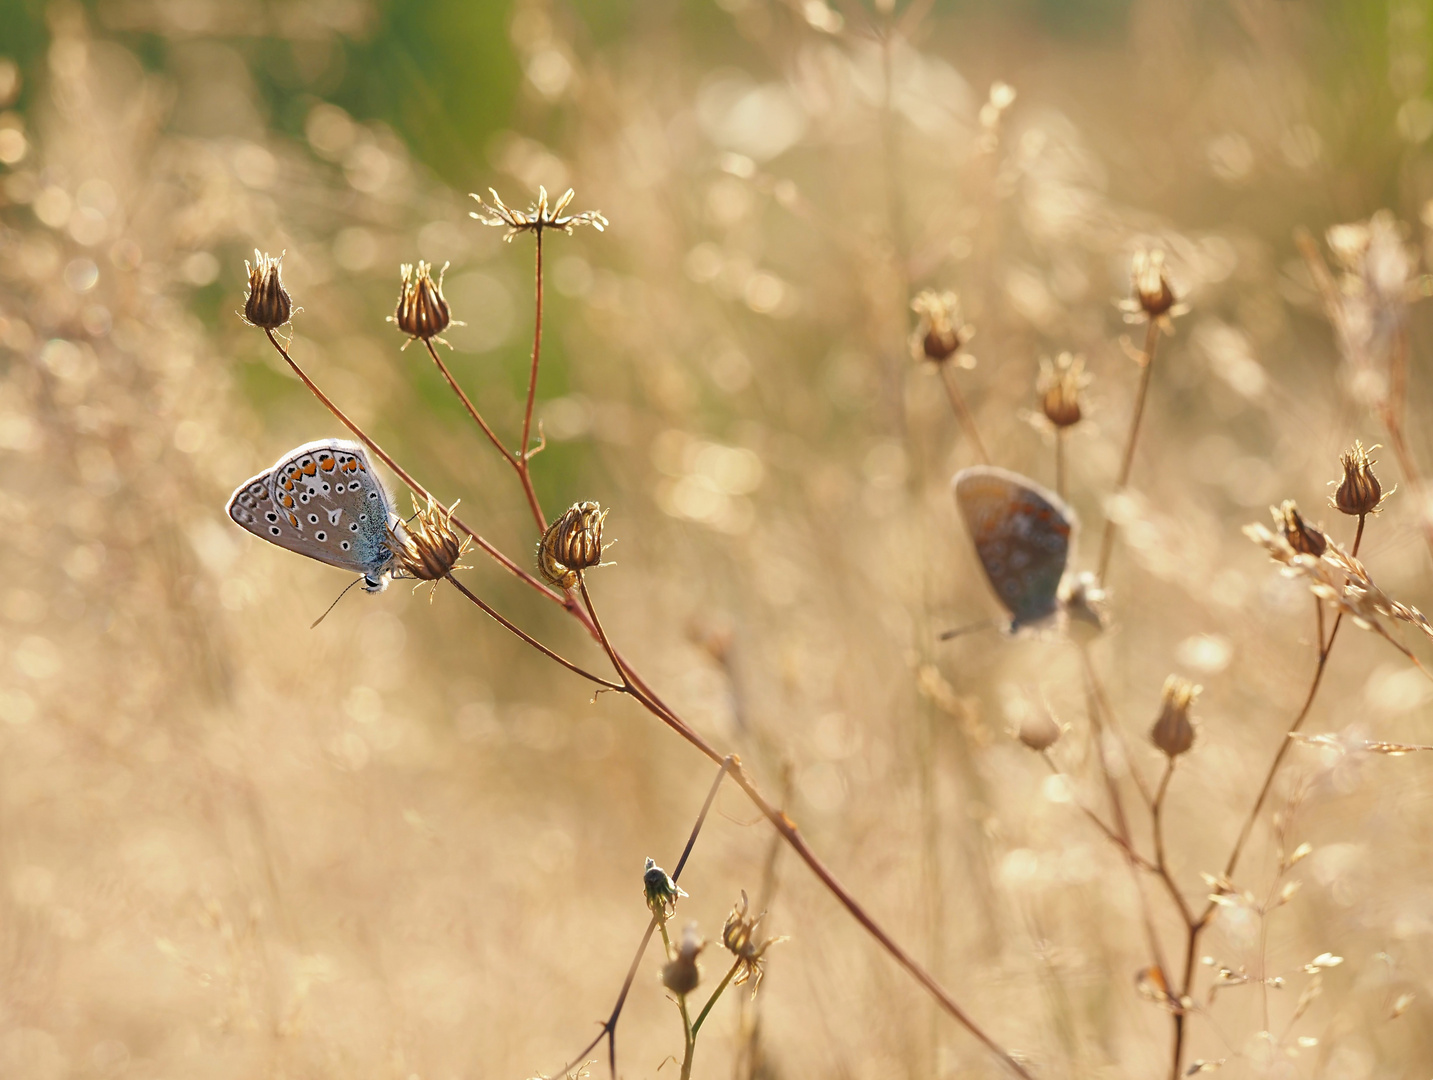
x,y
1359,492
940,332
268,305
1301,536
661,891
428,547
1059,388
537,217
422,312
1173,732
572,543
739,937
1038,730
682,973
1085,604
1151,294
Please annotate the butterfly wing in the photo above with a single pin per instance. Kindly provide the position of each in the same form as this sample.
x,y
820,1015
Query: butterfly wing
x,y
322,500
1023,535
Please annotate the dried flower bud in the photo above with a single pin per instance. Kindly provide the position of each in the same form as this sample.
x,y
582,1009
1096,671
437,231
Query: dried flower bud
x,y
428,547
1301,536
1173,732
682,973
1038,730
268,305
940,333
661,891
422,312
739,937
1359,492
1059,388
1151,285
571,544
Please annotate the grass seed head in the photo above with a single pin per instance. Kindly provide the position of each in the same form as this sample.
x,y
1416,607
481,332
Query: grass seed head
x,y
1173,732
422,312
268,305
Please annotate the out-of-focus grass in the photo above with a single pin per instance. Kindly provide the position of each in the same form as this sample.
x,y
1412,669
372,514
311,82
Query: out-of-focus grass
x,y
402,845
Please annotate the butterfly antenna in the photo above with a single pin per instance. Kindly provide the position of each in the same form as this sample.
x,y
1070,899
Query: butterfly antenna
x,y
985,624
333,605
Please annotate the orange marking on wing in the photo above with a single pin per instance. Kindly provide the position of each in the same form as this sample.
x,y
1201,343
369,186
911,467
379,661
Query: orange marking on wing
x,y
293,521
309,469
326,464
288,501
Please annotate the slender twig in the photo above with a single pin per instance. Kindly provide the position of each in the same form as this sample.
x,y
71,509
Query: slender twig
x,y
1115,838
637,688
403,474
701,1016
507,455
525,636
1198,925
524,454
1107,542
962,411
609,1026
1060,462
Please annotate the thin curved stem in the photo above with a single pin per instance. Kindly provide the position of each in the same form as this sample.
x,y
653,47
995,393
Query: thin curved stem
x,y
606,684
609,1026
701,1016
403,474
962,411
508,456
524,455
1107,542
638,689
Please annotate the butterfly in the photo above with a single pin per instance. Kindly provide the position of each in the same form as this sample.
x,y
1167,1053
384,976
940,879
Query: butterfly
x,y
323,500
1024,535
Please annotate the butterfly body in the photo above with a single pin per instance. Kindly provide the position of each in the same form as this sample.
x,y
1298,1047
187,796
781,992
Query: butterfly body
x,y
1023,534
323,500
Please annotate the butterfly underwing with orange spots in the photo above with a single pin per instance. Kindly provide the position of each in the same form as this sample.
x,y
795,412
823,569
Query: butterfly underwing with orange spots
x,y
323,500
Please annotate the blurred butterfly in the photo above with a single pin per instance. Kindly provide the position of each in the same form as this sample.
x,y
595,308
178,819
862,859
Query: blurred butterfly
x,y
1024,535
323,500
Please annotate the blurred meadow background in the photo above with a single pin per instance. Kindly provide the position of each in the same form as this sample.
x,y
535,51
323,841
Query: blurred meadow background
x,y
402,845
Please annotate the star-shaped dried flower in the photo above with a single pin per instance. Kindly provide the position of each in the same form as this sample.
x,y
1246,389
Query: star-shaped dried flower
x,y
536,217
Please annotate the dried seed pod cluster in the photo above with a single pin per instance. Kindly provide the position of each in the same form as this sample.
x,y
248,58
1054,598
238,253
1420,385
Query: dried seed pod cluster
x,y
1059,386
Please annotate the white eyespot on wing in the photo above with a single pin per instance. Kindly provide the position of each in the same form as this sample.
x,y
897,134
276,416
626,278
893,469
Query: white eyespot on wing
x,y
334,515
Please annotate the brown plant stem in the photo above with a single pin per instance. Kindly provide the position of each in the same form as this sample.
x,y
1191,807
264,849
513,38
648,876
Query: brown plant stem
x,y
638,689
962,412
609,1026
524,455
1198,925
406,477
1107,542
1060,462
606,684
701,1016
508,456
